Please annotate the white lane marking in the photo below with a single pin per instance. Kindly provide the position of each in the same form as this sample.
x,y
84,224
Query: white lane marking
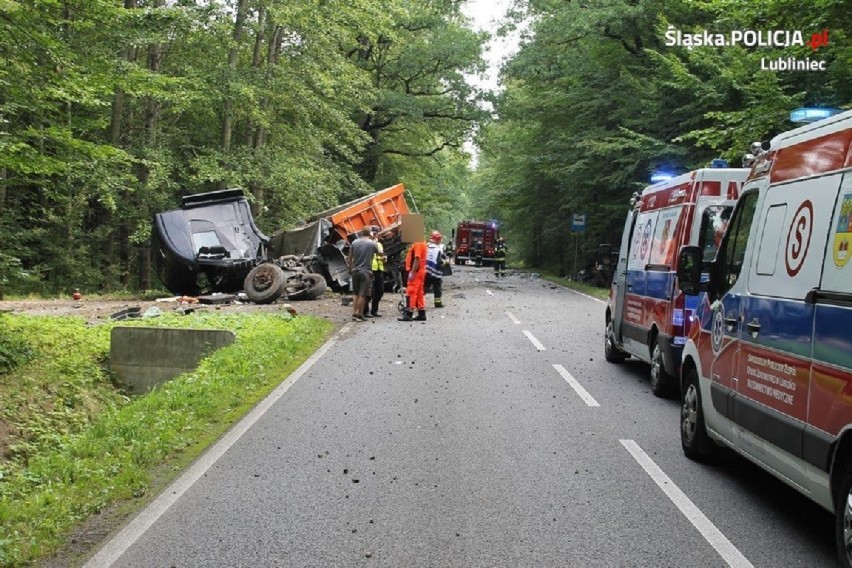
x,y
598,300
578,388
512,317
112,551
534,341
489,292
708,530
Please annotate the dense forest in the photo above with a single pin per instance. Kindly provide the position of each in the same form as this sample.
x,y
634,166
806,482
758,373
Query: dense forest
x,y
111,111
596,100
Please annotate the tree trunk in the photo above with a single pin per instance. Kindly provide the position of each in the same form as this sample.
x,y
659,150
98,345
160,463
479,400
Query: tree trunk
x,y
233,55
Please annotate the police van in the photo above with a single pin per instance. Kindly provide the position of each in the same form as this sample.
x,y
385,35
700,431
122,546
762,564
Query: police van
x,y
645,314
767,368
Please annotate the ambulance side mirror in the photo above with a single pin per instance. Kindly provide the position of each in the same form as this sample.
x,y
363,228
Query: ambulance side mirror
x,y
689,269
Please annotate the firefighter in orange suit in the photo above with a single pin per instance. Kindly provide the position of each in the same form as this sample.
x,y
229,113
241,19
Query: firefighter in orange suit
x,y
415,294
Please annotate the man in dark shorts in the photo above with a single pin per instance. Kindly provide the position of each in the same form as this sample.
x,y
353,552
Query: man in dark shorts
x,y
360,263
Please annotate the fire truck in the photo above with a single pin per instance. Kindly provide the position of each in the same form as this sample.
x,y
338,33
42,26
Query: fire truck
x,y
468,234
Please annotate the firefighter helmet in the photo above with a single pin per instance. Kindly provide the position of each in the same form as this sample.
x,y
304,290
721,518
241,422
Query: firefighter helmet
x,y
435,236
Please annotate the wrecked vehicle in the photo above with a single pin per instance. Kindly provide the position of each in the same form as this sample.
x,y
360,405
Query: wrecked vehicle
x,y
211,244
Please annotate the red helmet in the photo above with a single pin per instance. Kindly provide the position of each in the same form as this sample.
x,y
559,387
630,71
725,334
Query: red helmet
x,y
435,236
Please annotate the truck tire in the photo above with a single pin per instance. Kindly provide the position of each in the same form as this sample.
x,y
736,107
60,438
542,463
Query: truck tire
x,y
693,433
843,518
612,353
662,383
264,284
305,287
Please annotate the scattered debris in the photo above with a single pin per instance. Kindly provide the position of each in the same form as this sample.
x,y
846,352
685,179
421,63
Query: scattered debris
x,y
126,313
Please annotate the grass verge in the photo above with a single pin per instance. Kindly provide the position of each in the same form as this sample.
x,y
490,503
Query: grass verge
x,y
80,445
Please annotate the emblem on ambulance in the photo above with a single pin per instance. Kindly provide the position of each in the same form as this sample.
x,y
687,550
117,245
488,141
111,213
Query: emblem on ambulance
x,y
843,233
717,329
799,238
646,239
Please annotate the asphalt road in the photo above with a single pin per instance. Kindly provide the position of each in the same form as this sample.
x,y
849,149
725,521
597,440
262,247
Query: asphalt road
x,y
494,434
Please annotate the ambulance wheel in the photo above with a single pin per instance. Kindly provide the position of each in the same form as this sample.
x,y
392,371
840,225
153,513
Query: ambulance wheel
x,y
662,383
843,519
612,353
693,434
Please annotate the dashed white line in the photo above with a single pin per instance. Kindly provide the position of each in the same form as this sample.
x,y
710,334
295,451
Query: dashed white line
x,y
534,341
489,292
512,317
708,530
113,550
578,388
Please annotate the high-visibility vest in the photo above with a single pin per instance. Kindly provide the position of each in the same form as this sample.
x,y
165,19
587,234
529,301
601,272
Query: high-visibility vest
x,y
378,260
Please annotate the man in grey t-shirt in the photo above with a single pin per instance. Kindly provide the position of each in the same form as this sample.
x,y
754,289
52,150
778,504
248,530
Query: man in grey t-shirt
x,y
360,262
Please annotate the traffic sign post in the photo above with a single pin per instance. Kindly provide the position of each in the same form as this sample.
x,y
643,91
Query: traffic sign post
x,y
578,225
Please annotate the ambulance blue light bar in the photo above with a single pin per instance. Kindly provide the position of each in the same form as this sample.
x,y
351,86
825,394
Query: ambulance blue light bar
x,y
719,163
658,177
812,114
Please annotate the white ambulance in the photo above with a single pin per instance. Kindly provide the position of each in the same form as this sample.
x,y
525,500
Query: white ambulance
x,y
767,368
645,314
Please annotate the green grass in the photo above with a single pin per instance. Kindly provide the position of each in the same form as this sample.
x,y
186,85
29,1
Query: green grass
x,y
594,291
81,445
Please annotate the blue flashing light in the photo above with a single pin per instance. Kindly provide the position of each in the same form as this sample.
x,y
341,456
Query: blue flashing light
x,y
658,177
812,114
719,163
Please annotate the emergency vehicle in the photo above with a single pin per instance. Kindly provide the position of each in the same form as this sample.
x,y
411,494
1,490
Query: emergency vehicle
x,y
467,234
645,314
767,368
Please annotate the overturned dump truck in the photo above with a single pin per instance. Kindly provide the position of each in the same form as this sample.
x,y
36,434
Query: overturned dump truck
x,y
211,244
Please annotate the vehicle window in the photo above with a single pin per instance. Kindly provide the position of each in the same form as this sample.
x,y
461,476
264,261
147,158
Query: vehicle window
x,y
767,254
714,221
643,232
663,247
476,234
735,245
205,239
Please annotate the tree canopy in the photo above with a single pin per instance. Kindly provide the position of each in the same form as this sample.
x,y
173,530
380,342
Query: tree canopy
x,y
111,111
599,96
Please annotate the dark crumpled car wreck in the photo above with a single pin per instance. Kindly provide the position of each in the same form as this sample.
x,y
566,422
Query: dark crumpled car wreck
x,y
211,244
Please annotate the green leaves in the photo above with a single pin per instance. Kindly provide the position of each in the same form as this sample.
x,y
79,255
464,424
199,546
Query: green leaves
x,y
596,100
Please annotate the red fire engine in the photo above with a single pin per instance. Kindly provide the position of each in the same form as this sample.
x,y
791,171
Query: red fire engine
x,y
472,234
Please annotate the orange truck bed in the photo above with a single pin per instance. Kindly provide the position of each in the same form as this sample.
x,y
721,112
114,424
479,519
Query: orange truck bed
x,y
383,209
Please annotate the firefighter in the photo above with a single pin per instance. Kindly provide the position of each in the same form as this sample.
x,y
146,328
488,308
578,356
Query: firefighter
x,y
477,253
415,298
435,263
500,258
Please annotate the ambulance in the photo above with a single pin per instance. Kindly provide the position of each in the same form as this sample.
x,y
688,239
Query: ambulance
x,y
646,312
767,367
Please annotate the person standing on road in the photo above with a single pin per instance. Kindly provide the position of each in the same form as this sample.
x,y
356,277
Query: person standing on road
x,y
360,262
378,268
415,298
500,258
435,262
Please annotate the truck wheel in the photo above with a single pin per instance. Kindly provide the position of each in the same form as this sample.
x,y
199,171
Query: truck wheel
x,y
264,284
693,434
308,287
843,519
662,383
612,353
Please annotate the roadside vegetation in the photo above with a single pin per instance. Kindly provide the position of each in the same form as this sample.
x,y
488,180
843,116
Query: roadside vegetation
x,y
73,443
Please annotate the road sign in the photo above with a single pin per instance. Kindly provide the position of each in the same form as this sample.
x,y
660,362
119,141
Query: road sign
x,y
578,223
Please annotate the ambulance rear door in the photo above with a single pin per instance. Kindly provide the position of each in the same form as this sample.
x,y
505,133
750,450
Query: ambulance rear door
x,y
619,282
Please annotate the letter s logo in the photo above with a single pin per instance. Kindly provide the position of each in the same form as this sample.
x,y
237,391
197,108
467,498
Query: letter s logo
x,y
799,238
